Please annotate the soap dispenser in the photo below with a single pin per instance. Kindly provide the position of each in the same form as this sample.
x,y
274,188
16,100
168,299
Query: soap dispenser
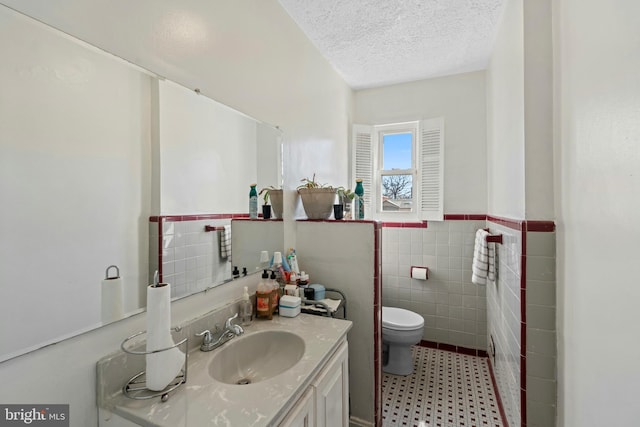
x,y
264,297
246,308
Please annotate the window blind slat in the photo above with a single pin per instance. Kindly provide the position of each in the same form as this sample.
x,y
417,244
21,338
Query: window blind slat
x,y
431,169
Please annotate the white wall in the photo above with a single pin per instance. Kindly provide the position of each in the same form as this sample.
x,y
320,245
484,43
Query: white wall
x,y
460,99
538,110
505,117
598,109
74,167
248,55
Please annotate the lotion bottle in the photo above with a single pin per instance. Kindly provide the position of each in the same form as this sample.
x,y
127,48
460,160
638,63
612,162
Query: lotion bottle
x,y
253,202
246,308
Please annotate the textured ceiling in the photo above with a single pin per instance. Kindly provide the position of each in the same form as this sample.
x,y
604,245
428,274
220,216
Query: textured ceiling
x,y
380,42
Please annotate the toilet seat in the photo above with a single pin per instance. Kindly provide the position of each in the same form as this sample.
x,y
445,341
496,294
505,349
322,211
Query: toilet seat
x,y
400,319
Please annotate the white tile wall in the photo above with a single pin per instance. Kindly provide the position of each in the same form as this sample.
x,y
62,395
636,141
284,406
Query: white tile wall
x,y
504,319
454,309
541,330
190,256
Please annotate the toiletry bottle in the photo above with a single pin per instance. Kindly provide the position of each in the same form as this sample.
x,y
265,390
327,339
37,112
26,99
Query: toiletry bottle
x,y
246,309
359,200
263,297
253,202
275,289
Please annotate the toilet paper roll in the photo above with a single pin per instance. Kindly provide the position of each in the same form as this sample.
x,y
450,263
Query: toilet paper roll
x,y
164,366
420,273
111,300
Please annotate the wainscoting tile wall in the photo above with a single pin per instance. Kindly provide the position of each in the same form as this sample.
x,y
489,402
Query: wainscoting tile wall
x,y
541,330
189,256
505,320
454,309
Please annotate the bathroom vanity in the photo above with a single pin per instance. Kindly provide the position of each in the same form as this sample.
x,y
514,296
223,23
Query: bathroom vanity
x,y
280,372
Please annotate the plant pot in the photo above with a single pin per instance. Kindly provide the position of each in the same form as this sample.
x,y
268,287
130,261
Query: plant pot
x,y
317,202
266,211
338,211
276,203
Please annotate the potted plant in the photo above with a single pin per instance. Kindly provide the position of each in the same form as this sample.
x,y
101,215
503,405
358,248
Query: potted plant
x,y
317,199
275,195
345,197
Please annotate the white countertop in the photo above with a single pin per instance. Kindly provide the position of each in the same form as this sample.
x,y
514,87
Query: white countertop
x,y
203,401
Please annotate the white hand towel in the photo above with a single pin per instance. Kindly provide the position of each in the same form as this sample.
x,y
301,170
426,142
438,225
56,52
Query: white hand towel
x,y
225,242
483,267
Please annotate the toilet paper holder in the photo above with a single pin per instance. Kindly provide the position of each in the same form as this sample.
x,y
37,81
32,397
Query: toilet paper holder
x,y
136,388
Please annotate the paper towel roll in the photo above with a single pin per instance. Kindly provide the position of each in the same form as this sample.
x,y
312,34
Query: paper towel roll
x,y
164,366
420,273
111,301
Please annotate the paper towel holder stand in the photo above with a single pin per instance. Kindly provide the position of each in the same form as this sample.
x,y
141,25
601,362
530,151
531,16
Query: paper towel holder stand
x,y
106,274
136,387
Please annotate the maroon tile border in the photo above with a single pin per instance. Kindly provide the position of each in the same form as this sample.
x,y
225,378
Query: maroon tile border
x,y
541,226
465,217
516,224
496,390
453,348
413,224
377,324
197,217
259,219
341,221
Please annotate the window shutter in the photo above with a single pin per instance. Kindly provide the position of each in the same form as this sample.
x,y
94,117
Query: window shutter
x,y
431,169
363,163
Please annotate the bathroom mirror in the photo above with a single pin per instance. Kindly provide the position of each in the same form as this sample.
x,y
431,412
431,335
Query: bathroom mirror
x,y
251,238
89,151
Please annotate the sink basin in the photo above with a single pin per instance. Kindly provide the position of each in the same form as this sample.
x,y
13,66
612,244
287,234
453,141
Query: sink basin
x,y
252,358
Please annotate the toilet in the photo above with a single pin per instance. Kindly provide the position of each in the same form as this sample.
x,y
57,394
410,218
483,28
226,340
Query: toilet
x,y
400,330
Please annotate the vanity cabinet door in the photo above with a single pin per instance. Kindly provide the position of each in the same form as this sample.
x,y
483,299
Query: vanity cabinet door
x,y
302,414
332,391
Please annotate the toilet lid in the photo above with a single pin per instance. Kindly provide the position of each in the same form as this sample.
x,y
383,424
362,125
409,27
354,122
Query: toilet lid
x,y
401,319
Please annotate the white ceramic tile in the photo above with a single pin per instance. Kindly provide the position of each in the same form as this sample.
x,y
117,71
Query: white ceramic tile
x,y
540,414
541,390
438,225
429,237
390,234
541,268
404,294
541,341
541,366
541,293
541,317
442,250
442,238
541,244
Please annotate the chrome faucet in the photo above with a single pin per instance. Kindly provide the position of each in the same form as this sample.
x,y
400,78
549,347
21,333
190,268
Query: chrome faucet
x,y
236,329
230,331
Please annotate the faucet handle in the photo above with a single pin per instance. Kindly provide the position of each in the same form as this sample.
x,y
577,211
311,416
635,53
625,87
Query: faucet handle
x,y
227,324
208,338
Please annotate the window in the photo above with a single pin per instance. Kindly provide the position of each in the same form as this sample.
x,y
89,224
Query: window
x,y
401,166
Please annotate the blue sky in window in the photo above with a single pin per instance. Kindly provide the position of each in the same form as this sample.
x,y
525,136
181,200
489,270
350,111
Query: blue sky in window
x,y
396,151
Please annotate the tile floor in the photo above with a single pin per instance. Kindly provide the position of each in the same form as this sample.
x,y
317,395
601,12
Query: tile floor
x,y
446,389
